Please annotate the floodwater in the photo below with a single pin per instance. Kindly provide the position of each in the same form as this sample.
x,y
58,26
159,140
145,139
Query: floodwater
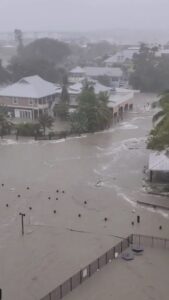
x,y
104,169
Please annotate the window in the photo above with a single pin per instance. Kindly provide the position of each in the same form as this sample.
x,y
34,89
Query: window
x,y
15,100
31,102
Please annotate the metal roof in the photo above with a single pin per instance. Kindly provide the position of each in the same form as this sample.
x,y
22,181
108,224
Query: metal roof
x,y
159,161
103,71
31,87
77,70
98,88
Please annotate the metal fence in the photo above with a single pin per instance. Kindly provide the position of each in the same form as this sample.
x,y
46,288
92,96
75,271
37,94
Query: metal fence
x,y
150,241
89,270
78,278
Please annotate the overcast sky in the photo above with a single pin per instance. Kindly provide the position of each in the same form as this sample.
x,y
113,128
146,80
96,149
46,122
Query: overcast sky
x,y
81,15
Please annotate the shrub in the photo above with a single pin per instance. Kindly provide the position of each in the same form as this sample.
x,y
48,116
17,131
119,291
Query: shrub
x,y
28,129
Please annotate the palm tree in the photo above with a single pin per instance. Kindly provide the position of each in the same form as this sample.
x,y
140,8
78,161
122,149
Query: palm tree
x,y
103,112
45,121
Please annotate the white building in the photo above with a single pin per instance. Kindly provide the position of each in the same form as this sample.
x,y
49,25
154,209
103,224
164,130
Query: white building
x,y
120,99
29,97
114,74
121,57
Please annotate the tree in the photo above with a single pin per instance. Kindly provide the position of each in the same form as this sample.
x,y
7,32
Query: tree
x,y
62,108
151,71
45,121
92,113
19,40
105,80
46,49
4,74
159,136
41,57
5,124
21,68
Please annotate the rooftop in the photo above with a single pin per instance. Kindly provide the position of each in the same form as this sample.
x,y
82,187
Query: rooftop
x,y
30,87
98,88
159,161
102,71
121,56
97,71
146,277
77,70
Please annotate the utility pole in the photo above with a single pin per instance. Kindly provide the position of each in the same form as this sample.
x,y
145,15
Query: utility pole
x,y
22,221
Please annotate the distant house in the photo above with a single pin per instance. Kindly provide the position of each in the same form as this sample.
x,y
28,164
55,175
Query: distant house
x,y
76,75
121,57
29,97
159,166
114,74
75,90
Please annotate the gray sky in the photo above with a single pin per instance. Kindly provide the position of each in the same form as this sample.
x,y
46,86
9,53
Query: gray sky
x,y
83,15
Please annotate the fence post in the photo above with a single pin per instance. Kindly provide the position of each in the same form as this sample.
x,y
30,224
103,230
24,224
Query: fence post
x,y
80,276
106,258
89,270
71,285
165,243
61,292
98,263
121,246
114,252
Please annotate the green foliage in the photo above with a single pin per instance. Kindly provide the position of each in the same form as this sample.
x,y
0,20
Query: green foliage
x,y
5,124
62,108
41,58
159,136
45,121
151,72
28,129
58,134
46,49
92,113
105,80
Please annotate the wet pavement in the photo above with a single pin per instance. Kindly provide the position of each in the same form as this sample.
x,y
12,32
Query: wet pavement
x,y
97,176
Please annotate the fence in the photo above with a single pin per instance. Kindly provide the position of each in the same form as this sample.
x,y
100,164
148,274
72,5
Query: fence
x,y
104,259
150,241
89,270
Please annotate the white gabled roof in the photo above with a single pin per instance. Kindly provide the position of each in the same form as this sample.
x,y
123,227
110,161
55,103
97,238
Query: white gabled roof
x,y
98,88
77,70
159,161
31,87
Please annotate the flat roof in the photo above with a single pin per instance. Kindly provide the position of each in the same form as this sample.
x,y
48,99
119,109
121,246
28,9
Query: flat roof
x,y
102,71
146,277
54,246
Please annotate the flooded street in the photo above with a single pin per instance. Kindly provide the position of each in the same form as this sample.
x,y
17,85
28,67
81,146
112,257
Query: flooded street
x,y
104,169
